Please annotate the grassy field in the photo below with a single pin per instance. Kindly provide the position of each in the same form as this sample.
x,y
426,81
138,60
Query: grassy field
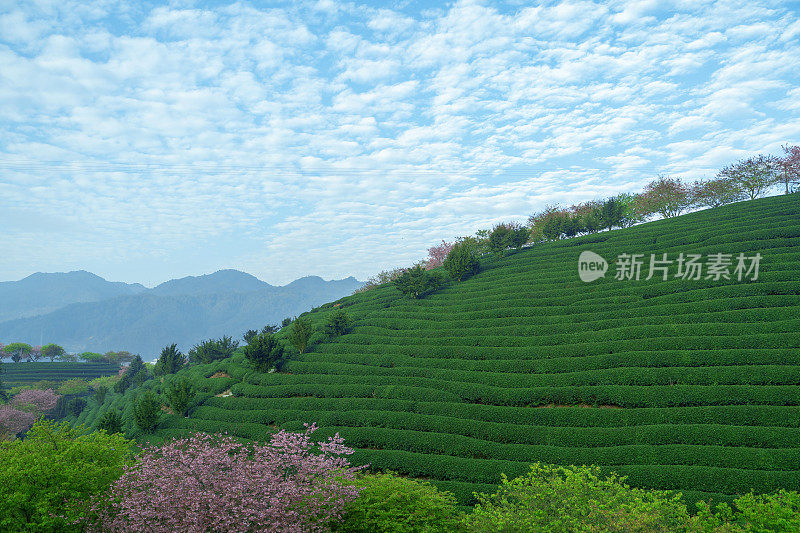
x,y
691,385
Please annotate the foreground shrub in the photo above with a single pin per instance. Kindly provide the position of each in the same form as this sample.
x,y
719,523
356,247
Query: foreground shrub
x,y
213,483
565,499
778,512
47,479
388,503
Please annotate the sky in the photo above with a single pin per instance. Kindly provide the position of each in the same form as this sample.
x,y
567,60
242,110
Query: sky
x,y
149,141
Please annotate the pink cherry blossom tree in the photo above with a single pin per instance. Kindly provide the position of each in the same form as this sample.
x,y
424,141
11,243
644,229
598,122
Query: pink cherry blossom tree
x,y
213,483
437,254
13,421
39,400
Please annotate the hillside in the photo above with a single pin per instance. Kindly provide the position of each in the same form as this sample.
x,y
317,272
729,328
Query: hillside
x,y
679,384
42,293
214,306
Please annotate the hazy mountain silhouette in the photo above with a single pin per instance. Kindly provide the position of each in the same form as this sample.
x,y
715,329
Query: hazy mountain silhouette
x,y
184,311
42,293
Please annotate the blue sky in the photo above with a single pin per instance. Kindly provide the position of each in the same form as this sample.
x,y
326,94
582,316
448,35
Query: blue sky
x,y
145,141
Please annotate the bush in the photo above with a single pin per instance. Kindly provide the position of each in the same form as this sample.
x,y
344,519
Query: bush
x,y
213,350
100,394
556,498
73,386
388,503
338,324
462,261
179,396
110,422
263,351
417,281
300,332
147,411
233,487
76,405
170,361
47,479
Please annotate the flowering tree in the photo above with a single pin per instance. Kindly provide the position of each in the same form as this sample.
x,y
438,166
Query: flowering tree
x,y
212,483
437,254
52,351
668,197
716,192
13,420
790,166
40,400
754,175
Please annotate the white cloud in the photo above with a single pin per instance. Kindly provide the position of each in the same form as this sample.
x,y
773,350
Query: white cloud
x,y
364,134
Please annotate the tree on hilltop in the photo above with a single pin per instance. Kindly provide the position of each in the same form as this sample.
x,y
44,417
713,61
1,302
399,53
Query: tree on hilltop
x,y
17,351
416,282
462,261
170,361
52,351
754,175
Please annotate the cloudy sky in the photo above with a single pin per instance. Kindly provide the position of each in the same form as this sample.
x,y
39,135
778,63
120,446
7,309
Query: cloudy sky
x,y
146,141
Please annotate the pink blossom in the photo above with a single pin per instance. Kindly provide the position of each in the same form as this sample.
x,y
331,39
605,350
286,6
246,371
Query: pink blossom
x,y
212,483
41,400
14,421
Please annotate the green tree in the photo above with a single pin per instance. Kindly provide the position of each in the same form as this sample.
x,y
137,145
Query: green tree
x,y
263,351
300,332
213,350
52,351
110,422
249,335
337,324
76,405
180,394
389,503
462,261
50,478
517,236
498,238
100,394
3,395
92,357
416,282
147,412
557,498
170,361
17,351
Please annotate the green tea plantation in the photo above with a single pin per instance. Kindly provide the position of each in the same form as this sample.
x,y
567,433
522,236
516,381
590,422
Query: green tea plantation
x,y
678,383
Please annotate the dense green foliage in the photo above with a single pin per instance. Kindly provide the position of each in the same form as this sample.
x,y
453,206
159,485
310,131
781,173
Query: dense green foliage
x,y
567,499
300,332
263,351
391,504
170,361
417,282
212,350
462,261
110,422
338,323
678,384
147,412
179,395
48,479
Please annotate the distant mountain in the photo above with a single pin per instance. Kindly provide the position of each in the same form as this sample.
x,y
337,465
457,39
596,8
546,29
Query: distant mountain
x,y
220,282
146,322
42,293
